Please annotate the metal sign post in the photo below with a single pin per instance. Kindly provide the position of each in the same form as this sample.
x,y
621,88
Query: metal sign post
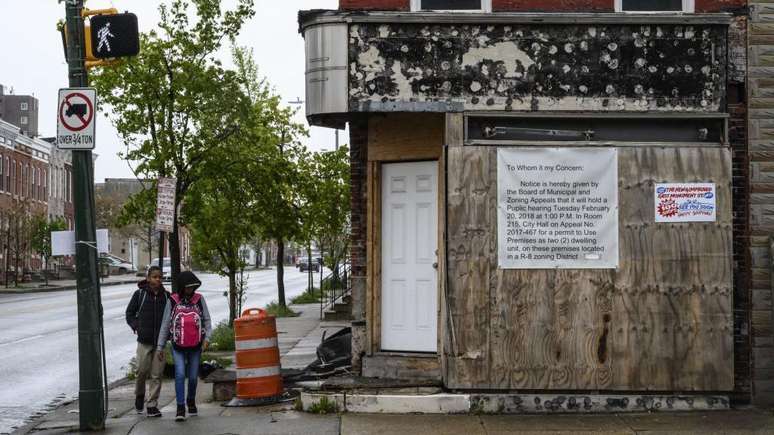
x,y
91,365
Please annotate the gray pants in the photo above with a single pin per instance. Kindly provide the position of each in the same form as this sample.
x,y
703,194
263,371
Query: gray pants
x,y
148,366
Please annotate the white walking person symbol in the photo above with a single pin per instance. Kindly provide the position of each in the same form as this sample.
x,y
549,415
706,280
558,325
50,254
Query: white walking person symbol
x,y
103,35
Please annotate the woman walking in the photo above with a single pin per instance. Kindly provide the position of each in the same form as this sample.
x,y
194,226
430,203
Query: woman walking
x,y
188,326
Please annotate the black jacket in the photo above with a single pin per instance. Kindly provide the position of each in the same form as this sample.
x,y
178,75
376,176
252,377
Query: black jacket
x,y
146,320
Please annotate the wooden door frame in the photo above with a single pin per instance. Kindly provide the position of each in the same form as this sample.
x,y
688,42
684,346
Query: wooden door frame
x,y
374,254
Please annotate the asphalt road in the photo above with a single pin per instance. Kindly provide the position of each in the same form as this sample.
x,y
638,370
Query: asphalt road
x,y
39,348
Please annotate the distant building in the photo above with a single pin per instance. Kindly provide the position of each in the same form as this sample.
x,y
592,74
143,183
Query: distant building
x,y
19,110
139,245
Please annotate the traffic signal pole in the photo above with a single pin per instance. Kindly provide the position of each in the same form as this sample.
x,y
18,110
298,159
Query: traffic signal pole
x,y
92,399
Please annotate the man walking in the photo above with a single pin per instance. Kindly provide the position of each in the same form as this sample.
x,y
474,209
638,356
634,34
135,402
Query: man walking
x,y
144,315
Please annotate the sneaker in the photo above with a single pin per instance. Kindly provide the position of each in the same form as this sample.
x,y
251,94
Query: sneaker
x,y
153,412
180,416
139,403
192,409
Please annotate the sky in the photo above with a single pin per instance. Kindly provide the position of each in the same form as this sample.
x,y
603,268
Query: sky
x,y
32,62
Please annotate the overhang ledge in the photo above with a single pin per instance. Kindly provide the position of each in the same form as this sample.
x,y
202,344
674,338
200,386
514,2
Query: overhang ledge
x,y
321,16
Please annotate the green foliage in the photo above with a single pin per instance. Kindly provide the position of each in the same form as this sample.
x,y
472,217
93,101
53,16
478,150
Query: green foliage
x,y
131,369
307,297
326,199
277,310
222,338
41,233
324,406
174,105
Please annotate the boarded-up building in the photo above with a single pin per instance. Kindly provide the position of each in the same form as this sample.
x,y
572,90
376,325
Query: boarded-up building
x,y
549,196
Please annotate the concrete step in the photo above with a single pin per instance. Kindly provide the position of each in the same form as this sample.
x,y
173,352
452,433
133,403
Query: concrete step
x,y
335,315
342,308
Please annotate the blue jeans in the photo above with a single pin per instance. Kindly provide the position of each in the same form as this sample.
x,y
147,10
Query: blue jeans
x,y
186,364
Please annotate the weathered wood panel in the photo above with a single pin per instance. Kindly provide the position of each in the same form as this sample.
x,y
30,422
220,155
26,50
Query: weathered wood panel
x,y
405,136
661,321
470,251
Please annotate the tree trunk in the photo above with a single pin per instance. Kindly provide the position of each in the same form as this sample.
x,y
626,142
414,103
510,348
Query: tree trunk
x,y
150,244
309,276
7,254
45,269
232,297
174,251
280,272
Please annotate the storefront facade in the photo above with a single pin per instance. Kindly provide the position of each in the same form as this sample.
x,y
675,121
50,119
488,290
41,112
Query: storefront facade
x,y
544,196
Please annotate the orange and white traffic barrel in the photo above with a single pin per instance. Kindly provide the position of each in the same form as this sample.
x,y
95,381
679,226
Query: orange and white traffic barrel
x,y
257,355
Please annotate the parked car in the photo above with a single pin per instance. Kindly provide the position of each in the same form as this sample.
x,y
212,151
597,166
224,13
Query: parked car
x,y
314,265
166,274
116,265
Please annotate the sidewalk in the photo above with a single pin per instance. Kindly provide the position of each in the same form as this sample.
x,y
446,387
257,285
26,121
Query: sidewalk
x,y
66,284
298,338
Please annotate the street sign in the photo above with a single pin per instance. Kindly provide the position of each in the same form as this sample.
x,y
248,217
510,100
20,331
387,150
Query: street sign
x,y
165,204
114,35
75,118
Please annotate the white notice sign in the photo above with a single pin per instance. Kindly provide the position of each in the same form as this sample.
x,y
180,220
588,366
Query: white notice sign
x,y
557,208
685,202
165,204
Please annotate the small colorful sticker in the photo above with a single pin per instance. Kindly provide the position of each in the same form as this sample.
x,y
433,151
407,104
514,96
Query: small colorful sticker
x,y
685,202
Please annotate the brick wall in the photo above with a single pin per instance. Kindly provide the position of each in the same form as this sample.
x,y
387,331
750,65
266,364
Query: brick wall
x,y
358,160
537,5
761,198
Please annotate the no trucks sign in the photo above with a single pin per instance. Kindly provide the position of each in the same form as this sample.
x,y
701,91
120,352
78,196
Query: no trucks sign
x,y
75,118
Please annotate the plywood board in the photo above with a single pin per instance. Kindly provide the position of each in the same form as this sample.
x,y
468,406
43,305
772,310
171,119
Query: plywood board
x,y
662,321
405,137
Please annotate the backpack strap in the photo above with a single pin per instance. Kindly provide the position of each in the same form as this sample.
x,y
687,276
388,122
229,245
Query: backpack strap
x,y
143,293
175,297
195,299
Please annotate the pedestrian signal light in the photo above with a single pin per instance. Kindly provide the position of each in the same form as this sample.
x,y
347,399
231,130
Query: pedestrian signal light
x,y
114,35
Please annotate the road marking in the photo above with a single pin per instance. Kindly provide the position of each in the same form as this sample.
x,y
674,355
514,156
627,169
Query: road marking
x,y
22,340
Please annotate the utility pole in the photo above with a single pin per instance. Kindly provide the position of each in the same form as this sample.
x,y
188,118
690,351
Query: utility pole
x,y
91,396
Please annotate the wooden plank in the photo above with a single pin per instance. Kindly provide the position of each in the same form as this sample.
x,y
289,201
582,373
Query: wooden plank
x,y
662,321
374,258
455,129
674,283
398,137
470,211
441,252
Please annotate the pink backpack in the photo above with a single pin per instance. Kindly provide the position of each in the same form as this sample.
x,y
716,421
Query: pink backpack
x,y
186,327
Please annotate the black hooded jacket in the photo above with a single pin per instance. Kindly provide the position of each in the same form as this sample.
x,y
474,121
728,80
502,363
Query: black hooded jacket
x,y
146,320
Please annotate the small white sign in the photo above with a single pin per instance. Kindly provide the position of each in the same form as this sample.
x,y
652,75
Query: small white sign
x,y
685,202
165,204
75,118
557,208
63,242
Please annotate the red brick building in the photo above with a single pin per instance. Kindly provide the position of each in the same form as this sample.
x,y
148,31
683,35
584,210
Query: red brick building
x,y
449,104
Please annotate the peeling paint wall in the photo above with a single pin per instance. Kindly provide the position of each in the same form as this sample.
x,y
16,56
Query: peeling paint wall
x,y
536,67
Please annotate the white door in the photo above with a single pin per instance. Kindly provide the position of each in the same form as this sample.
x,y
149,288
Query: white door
x,y
409,243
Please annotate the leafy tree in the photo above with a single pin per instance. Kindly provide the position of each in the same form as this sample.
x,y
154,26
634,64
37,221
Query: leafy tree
x,y
17,227
172,104
273,178
329,206
40,241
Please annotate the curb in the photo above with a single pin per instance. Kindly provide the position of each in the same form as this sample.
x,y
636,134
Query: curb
x,y
475,403
60,288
